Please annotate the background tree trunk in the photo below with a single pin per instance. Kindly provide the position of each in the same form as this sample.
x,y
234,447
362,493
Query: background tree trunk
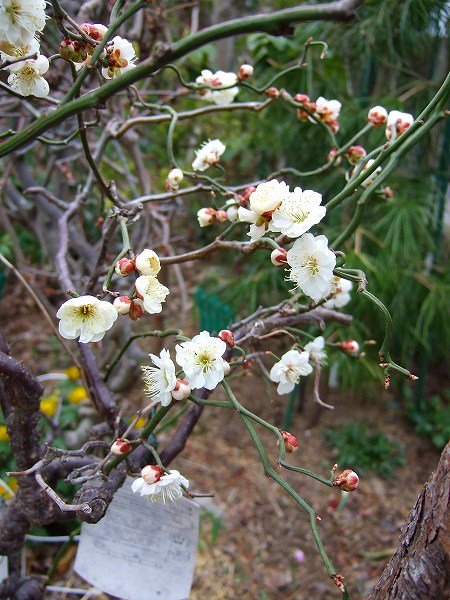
x,y
420,569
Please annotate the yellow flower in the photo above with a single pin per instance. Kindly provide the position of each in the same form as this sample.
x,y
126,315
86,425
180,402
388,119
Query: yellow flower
x,y
77,395
140,423
49,405
72,373
4,437
12,483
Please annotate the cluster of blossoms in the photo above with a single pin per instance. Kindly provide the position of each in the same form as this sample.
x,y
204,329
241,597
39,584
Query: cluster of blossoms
x,y
202,364
221,79
273,207
322,109
396,122
20,22
89,318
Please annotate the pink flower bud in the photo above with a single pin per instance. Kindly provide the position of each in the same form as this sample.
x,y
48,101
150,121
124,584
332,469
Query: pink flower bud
x,y
355,154
120,446
123,304
205,216
279,257
377,116
301,98
226,367
174,178
245,71
227,336
181,390
72,50
348,480
290,441
136,309
152,473
124,267
331,154
221,216
272,92
349,346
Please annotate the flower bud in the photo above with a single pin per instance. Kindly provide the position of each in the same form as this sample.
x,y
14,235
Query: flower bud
x,y
221,216
226,367
136,309
272,92
245,71
331,154
95,31
290,441
205,216
152,473
279,257
388,192
248,192
301,98
348,480
181,390
124,267
377,116
147,262
120,446
72,50
123,304
349,346
355,154
227,336
232,213
174,178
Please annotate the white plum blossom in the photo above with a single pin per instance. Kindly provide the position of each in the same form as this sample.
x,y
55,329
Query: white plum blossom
x,y
298,212
401,121
316,351
208,155
120,56
219,79
26,77
147,262
166,489
263,201
340,289
153,293
312,265
10,51
160,380
86,317
201,360
289,369
328,110
21,19
174,178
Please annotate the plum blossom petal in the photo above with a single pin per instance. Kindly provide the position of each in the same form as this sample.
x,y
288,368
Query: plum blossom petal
x,y
316,351
289,369
160,380
86,317
201,360
340,296
298,212
21,19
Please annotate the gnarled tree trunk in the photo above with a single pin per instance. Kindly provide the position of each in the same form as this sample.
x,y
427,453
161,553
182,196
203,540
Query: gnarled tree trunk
x,y
420,569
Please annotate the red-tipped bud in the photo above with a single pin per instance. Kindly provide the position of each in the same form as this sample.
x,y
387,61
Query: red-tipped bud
x,y
272,92
290,441
301,98
72,50
331,154
120,446
227,336
124,267
355,154
136,309
221,216
152,473
226,367
245,71
123,304
349,346
377,116
181,390
348,480
279,257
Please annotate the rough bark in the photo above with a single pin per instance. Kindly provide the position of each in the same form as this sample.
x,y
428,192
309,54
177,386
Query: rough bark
x,y
420,569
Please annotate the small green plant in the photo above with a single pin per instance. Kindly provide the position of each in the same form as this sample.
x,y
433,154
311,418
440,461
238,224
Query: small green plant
x,y
431,418
357,447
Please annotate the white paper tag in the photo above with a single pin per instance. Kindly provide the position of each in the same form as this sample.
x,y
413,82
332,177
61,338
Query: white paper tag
x,y
141,550
3,567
